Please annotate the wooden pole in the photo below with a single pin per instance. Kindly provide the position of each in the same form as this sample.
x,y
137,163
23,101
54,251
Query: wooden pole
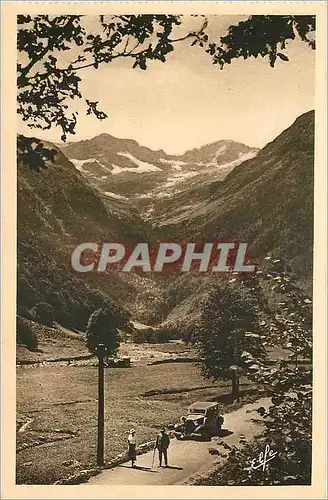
x,y
101,405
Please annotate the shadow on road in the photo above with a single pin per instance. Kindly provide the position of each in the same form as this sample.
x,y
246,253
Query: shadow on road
x,y
228,399
139,467
224,433
173,467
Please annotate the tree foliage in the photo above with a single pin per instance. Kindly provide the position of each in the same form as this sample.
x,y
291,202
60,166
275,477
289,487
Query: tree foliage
x,y
288,419
264,36
151,336
102,329
227,333
25,334
54,50
43,313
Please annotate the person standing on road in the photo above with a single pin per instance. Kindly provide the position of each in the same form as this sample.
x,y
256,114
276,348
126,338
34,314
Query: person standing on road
x,y
132,444
184,425
162,444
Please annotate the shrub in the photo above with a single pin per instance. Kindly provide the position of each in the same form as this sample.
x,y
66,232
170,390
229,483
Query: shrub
x,y
102,329
162,336
26,313
25,334
151,336
140,336
43,313
26,294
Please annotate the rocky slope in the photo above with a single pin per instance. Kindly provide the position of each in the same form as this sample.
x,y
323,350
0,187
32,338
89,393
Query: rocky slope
x,y
56,211
266,201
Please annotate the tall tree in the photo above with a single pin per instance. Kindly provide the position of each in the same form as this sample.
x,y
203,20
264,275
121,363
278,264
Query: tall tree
x,y
102,329
227,334
288,419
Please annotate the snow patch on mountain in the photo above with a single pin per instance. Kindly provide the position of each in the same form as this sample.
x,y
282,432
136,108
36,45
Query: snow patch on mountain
x,y
220,152
242,157
175,164
211,172
138,170
115,195
177,177
142,166
78,164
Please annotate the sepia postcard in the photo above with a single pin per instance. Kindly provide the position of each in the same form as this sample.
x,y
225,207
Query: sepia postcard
x,y
164,250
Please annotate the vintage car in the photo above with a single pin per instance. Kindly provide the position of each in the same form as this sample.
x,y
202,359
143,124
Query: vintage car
x,y
203,420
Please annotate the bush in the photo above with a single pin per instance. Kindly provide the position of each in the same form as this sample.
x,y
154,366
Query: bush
x,y
162,336
102,329
25,334
151,336
140,336
26,295
43,313
26,313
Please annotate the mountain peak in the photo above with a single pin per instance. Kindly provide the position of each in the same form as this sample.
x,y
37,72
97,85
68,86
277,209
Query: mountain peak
x,y
219,150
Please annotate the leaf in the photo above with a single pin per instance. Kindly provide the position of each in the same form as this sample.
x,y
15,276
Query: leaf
x,y
142,64
282,56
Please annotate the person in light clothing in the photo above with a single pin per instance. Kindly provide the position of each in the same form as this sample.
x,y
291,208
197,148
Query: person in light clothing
x,y
132,444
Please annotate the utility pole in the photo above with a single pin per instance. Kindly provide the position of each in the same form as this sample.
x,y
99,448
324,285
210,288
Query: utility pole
x,y
101,405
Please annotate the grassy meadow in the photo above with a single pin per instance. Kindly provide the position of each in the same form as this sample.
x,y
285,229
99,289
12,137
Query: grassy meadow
x,y
57,412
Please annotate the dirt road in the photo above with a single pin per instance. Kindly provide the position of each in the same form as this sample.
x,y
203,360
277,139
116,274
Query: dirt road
x,y
186,458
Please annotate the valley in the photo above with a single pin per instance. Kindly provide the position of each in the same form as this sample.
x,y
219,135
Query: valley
x,y
114,190
168,175
205,195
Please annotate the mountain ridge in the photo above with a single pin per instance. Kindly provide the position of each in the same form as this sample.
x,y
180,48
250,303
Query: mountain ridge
x,y
107,163
267,201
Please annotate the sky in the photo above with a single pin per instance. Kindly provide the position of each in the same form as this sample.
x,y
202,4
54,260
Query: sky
x,y
189,102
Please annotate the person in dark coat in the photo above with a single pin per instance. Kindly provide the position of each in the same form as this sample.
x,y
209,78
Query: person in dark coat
x,y
162,444
132,444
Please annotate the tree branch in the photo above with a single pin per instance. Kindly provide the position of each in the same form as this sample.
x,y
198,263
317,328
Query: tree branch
x,y
25,71
24,82
191,34
50,45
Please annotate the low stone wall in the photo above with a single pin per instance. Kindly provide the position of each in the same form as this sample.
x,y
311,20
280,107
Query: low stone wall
x,y
176,359
84,475
56,360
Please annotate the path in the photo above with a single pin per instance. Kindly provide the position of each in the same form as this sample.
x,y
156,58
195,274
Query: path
x,y
186,458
